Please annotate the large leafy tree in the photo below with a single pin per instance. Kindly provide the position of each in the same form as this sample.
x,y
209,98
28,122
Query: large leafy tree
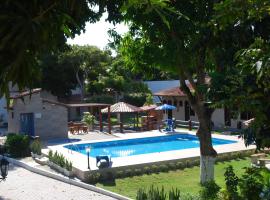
x,y
88,63
247,86
31,28
182,37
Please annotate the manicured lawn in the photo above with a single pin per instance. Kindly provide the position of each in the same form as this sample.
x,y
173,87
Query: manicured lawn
x,y
186,180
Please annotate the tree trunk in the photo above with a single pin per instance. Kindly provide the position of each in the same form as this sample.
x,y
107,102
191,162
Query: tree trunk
x,y
208,153
81,84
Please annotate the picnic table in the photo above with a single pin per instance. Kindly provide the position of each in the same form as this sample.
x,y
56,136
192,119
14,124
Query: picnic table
x,y
77,127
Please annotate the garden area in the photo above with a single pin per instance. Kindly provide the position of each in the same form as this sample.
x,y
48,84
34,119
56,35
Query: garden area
x,y
185,180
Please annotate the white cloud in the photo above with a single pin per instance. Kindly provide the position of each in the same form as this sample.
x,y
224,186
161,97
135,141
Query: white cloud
x,y
96,34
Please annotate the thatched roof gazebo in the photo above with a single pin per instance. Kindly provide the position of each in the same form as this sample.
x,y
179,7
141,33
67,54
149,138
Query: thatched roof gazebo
x,y
122,107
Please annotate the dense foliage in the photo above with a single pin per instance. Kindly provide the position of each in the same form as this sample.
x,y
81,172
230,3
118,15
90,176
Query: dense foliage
x,y
17,145
245,85
35,147
60,160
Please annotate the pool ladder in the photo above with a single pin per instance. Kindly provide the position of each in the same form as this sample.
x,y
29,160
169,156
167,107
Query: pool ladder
x,y
74,148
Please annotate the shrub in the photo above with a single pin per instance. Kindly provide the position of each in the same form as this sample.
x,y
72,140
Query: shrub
x,y
129,173
163,168
180,165
137,172
110,176
147,170
172,166
174,194
154,169
251,184
141,194
231,181
93,178
60,160
88,118
18,145
209,191
120,174
36,147
159,194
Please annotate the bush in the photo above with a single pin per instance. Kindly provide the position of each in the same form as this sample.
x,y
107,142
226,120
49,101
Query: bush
x,y
18,145
93,178
129,173
88,118
159,194
163,168
120,174
180,165
137,172
36,147
147,170
60,160
209,191
154,169
251,184
231,181
174,194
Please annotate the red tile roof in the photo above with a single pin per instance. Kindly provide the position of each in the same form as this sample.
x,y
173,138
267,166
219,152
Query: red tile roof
x,y
173,92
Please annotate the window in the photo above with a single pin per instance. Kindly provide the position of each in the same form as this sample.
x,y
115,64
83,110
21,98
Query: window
x,y
175,103
164,101
180,103
246,115
191,111
78,111
12,115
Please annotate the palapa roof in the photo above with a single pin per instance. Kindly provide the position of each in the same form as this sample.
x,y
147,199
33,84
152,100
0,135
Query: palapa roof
x,y
122,107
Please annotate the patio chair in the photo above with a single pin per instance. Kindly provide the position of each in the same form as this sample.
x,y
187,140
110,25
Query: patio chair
x,y
103,161
170,125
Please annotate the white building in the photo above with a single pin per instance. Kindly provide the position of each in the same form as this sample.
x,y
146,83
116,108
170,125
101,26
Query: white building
x,y
220,118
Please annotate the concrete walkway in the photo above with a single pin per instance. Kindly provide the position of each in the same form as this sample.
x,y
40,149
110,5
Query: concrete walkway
x,y
22,184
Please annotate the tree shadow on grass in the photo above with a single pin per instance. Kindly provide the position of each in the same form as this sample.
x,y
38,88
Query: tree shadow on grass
x,y
110,182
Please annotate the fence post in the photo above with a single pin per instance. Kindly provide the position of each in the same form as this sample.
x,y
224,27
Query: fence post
x,y
189,125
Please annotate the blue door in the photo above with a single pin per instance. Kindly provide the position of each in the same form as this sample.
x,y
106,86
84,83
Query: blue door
x,y
27,124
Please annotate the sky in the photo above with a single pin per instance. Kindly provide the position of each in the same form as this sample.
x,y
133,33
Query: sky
x,y
96,34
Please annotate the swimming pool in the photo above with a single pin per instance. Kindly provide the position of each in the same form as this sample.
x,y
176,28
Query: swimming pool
x,y
130,147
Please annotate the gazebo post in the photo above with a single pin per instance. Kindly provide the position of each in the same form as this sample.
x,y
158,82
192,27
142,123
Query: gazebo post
x,y
109,119
100,120
137,120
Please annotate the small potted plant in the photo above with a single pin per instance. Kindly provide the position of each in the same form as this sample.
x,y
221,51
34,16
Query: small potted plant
x,y
36,149
89,119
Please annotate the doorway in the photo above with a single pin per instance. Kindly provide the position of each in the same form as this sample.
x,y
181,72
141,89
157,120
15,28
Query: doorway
x,y
187,111
27,124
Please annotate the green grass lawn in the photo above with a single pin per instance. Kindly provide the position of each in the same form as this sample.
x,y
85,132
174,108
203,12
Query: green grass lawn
x,y
186,180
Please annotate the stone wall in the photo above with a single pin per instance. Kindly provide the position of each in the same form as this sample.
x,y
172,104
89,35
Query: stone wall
x,y
50,120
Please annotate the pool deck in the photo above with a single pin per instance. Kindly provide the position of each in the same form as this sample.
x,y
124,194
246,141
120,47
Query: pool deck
x,y
80,160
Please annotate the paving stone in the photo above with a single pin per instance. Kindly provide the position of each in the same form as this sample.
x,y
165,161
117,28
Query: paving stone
x,y
22,184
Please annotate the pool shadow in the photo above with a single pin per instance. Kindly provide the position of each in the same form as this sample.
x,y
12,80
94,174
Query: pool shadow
x,y
61,141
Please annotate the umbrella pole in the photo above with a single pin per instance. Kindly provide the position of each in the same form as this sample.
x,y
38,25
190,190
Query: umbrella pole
x,y
121,123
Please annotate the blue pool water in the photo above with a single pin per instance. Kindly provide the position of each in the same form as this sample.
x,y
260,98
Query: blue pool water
x,y
129,147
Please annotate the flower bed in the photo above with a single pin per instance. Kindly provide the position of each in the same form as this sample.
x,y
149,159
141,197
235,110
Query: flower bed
x,y
59,163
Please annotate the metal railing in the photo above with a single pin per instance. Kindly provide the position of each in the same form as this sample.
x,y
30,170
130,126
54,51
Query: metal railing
x,y
187,124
